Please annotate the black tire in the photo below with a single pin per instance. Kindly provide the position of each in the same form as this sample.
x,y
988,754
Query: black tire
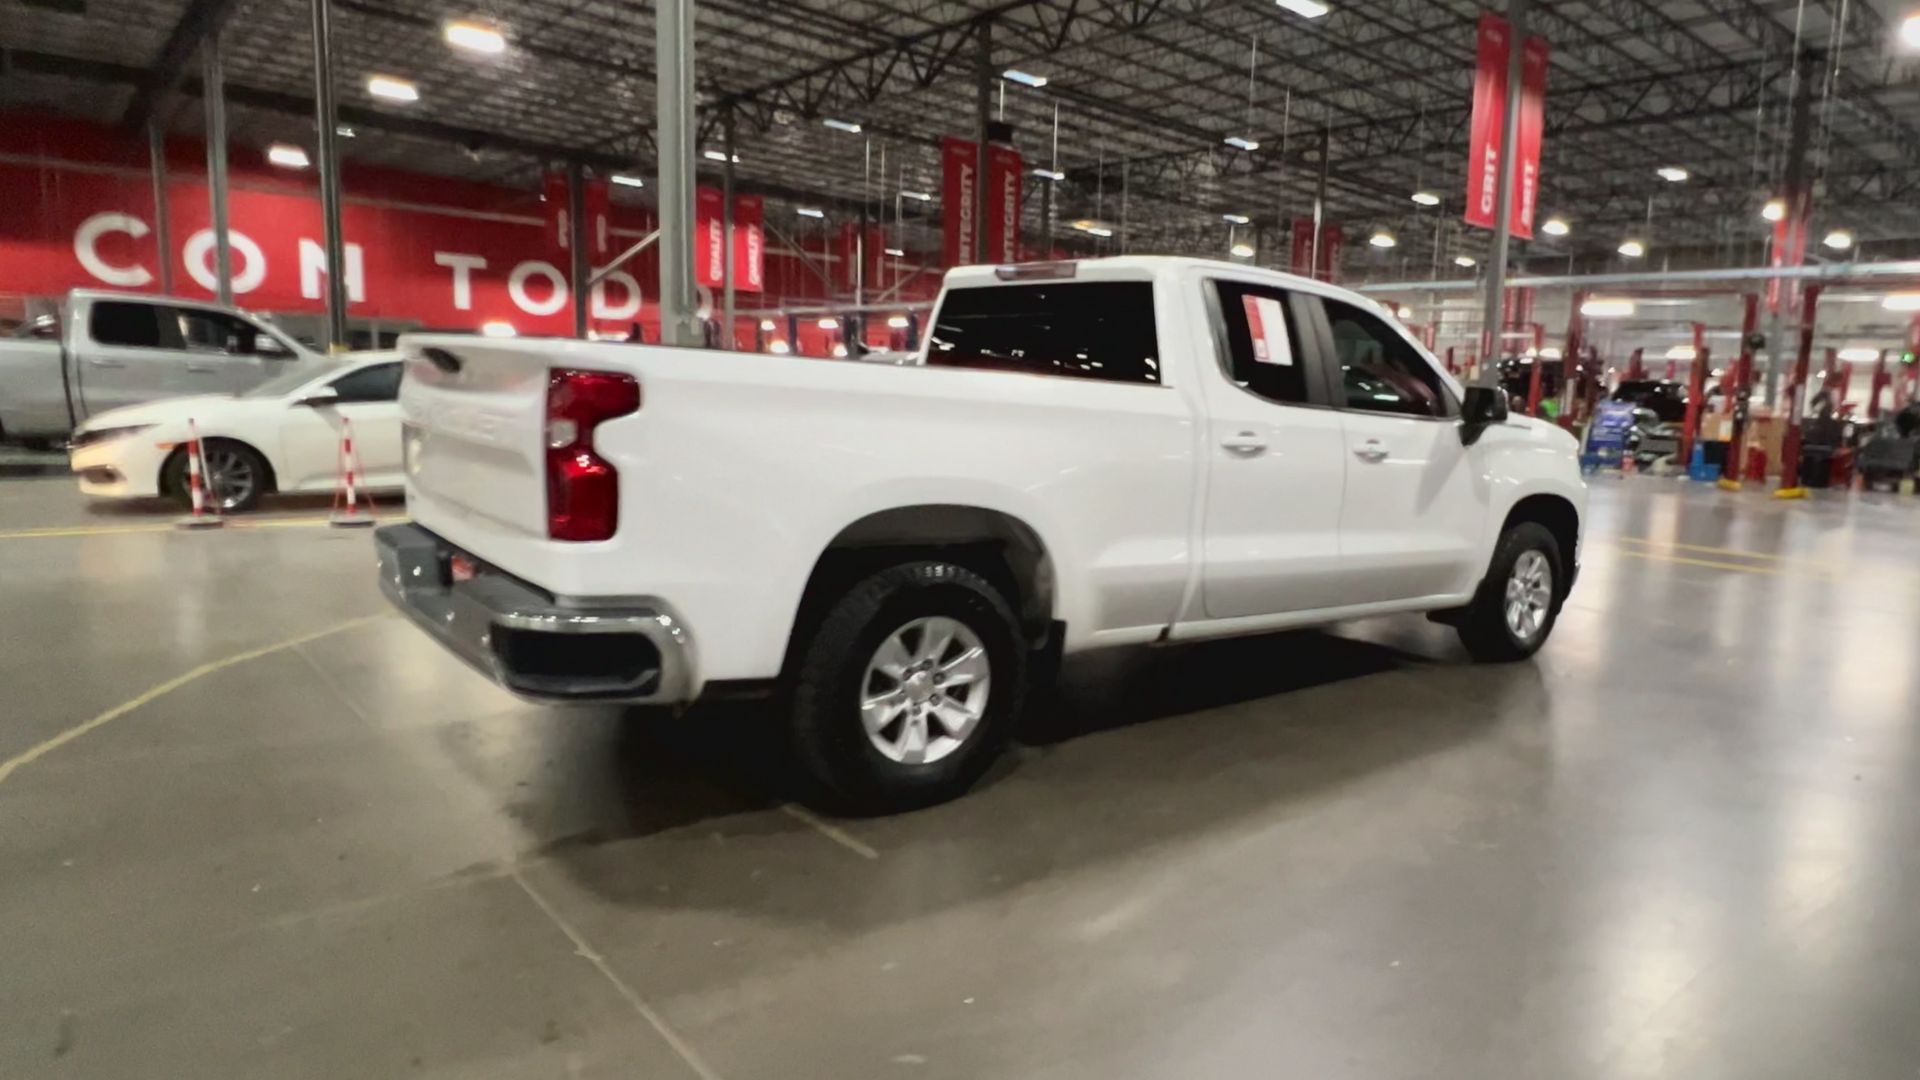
x,y
173,475
1483,625
831,676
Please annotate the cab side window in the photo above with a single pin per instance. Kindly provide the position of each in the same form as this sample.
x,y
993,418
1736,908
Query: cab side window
x,y
214,331
132,326
1380,371
1263,342
380,382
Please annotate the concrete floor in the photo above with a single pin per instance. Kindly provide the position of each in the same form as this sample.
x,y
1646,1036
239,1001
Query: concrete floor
x,y
1685,842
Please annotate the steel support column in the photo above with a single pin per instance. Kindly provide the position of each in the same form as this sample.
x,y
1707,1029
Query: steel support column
x,y
673,67
726,218
1320,204
326,129
1739,393
1696,396
162,228
214,91
1496,283
984,88
1790,486
1797,194
579,270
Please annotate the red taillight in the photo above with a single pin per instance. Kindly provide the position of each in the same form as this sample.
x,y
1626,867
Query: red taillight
x,y
583,488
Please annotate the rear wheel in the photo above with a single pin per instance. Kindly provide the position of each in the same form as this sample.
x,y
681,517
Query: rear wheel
x,y
236,476
909,687
1519,601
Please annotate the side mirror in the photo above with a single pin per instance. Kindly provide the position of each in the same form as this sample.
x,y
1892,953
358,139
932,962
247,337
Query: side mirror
x,y
320,398
268,345
1484,406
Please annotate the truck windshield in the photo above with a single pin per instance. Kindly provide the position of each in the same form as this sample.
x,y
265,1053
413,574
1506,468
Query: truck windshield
x,y
1084,330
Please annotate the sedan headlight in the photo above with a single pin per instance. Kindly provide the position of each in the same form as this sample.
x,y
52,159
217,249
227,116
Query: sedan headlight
x,y
106,434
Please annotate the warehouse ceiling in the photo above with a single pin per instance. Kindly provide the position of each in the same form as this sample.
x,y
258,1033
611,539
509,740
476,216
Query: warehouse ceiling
x,y
1140,95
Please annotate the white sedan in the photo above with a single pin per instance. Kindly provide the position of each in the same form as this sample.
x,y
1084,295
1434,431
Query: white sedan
x,y
280,436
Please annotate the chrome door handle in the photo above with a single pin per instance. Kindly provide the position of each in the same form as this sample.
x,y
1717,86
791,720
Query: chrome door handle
x,y
1371,450
1246,442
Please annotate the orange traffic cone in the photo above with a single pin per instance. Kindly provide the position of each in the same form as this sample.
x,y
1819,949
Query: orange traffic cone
x,y
206,514
346,497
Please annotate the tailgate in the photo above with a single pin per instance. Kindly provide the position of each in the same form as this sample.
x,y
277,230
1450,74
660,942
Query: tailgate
x,y
475,414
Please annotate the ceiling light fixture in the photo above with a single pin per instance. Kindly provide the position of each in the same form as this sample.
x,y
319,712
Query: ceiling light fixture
x,y
287,157
898,253
766,324
1910,31
1382,239
627,181
1237,219
1775,210
1858,355
808,211
344,131
1633,249
1242,251
847,126
1426,198
1902,302
1839,240
1601,308
920,196
1306,9
1556,227
780,348
1239,143
718,155
1050,174
386,86
498,329
1464,260
1672,174
899,322
476,37
828,322
1024,78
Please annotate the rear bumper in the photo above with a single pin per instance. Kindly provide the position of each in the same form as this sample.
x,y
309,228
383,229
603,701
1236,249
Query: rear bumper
x,y
539,646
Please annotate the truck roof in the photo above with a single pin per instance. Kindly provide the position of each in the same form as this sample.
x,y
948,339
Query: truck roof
x,y
1147,265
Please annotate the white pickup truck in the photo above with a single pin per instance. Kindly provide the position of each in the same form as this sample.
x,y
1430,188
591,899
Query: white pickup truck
x,y
1120,451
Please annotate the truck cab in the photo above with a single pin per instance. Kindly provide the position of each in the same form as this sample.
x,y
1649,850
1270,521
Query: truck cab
x,y
111,350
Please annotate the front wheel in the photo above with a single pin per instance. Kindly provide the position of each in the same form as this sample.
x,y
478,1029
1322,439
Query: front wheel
x,y
236,476
909,687
1519,601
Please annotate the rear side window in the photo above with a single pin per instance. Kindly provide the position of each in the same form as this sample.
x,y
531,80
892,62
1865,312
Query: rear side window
x,y
381,382
124,325
1263,342
1083,330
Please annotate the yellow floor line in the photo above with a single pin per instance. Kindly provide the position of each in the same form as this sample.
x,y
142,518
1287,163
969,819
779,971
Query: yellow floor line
x,y
1734,552
1744,568
8,767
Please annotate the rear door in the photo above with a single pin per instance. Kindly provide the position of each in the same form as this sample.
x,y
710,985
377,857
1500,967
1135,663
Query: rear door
x,y
1414,503
131,351
1276,460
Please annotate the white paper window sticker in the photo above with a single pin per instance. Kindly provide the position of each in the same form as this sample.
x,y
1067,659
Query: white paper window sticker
x,y
1267,326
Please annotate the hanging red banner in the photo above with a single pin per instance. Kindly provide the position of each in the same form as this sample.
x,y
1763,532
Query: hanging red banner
x,y
709,237
1301,261
1332,239
1005,170
553,207
958,165
749,243
1532,132
596,200
1490,89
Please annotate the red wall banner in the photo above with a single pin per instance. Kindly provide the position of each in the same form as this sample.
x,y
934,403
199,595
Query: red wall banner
x,y
553,207
1489,116
711,246
749,243
596,198
957,166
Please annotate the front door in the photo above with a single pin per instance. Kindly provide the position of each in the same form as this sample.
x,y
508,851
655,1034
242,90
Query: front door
x,y
1415,504
367,401
1276,462
127,352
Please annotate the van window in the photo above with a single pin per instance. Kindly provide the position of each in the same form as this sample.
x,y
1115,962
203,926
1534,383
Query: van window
x,y
1082,330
